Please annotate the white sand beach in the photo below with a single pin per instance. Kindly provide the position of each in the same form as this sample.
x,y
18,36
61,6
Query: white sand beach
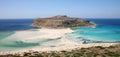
x,y
64,44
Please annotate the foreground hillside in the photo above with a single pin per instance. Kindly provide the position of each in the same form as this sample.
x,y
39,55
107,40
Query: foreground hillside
x,y
61,22
98,51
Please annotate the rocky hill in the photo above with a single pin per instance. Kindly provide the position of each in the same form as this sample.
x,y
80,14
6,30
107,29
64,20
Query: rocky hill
x,y
61,22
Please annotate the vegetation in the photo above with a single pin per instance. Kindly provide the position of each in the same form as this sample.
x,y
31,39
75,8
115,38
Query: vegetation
x,y
62,22
98,51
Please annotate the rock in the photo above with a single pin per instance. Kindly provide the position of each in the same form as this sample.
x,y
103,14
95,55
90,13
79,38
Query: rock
x,y
61,21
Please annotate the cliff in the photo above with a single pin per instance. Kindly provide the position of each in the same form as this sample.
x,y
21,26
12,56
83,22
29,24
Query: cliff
x,y
61,22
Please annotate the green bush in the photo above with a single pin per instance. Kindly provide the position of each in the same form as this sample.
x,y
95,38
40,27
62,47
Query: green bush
x,y
100,47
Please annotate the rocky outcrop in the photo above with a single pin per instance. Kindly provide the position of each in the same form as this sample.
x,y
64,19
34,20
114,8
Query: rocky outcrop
x,y
61,22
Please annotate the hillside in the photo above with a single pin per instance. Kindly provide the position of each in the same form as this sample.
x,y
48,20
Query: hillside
x,y
61,22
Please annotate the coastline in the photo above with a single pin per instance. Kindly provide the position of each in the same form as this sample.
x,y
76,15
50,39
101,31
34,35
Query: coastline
x,y
65,43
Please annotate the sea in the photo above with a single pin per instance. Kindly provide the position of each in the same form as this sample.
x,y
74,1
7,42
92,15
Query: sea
x,y
107,30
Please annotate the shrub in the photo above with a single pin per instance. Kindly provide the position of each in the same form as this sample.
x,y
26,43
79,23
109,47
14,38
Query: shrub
x,y
100,47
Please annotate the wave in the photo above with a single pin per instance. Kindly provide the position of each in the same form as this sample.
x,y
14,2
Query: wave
x,y
4,35
20,44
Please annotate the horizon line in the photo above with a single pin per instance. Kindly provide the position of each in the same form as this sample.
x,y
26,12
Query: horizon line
x,y
46,17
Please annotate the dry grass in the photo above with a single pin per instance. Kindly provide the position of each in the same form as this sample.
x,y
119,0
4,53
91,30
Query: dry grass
x,y
98,51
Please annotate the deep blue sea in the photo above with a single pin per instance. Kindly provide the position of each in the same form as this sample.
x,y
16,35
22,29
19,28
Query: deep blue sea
x,y
15,24
107,30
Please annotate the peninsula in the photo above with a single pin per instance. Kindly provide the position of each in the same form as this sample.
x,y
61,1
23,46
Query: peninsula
x,y
62,21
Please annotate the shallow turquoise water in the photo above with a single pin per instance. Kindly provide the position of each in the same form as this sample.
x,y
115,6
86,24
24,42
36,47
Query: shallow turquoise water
x,y
13,41
108,30
101,33
5,34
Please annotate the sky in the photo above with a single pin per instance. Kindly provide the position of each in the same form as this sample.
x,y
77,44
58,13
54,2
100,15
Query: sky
x,y
48,8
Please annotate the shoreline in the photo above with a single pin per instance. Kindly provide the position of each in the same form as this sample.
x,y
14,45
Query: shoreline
x,y
65,43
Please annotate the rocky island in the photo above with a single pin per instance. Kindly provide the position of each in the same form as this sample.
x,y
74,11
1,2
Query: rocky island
x,y
62,21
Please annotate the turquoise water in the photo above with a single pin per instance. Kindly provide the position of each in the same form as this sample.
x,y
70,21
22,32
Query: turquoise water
x,y
107,30
5,34
14,41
